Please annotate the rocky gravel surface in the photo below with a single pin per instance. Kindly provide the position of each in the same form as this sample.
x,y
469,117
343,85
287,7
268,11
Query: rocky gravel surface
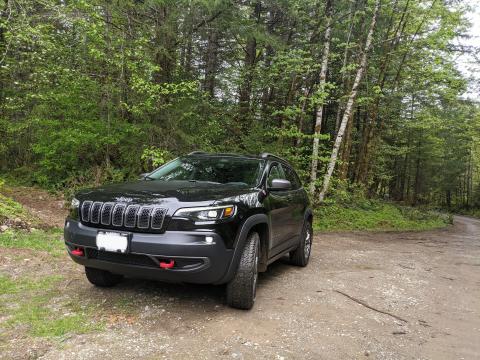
x,y
411,295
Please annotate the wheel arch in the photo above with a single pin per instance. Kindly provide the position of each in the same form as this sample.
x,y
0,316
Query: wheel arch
x,y
308,216
260,224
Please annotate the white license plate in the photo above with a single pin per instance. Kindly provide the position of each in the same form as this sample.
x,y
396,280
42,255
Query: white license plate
x,y
112,241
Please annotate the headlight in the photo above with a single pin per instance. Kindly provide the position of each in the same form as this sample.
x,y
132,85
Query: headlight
x,y
75,203
74,209
206,214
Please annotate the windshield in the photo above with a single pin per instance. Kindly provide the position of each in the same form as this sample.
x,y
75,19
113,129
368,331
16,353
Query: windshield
x,y
219,170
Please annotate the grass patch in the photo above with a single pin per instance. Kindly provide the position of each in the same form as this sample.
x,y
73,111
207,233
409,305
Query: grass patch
x,y
45,240
31,303
9,286
377,216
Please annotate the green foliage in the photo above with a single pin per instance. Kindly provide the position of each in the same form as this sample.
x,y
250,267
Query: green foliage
x,y
99,91
378,217
349,195
154,157
348,208
10,209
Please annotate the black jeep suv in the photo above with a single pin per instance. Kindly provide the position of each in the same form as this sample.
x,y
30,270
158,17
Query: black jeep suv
x,y
201,218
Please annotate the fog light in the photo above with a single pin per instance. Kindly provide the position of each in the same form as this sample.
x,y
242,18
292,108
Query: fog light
x,y
209,239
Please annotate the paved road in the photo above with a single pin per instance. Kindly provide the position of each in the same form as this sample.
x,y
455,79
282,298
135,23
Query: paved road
x,y
413,295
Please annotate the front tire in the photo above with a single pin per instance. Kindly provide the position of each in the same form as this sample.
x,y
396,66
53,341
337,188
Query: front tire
x,y
241,290
301,255
102,278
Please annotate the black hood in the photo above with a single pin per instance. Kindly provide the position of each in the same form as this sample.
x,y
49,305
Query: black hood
x,y
156,191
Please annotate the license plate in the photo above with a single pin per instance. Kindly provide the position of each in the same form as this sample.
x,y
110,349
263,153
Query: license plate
x,y
112,241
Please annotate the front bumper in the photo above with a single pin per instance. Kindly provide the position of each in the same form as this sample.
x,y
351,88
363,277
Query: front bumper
x,y
196,261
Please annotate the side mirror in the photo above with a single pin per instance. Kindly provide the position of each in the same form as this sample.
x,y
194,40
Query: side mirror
x,y
280,184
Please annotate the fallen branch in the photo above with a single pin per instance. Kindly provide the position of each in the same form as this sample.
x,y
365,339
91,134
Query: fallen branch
x,y
370,307
69,282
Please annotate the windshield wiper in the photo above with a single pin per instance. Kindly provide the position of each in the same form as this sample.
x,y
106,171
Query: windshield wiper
x,y
205,181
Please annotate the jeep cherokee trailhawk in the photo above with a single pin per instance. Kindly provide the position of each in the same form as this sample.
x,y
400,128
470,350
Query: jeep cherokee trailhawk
x,y
201,218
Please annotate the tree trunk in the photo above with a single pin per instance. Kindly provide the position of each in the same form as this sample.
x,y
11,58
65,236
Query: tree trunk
x,y
211,63
417,185
3,46
353,7
347,148
323,77
348,108
165,56
249,66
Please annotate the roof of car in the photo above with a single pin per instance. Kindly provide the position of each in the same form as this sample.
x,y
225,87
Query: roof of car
x,y
264,156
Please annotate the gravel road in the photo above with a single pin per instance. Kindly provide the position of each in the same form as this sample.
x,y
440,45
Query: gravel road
x,y
412,295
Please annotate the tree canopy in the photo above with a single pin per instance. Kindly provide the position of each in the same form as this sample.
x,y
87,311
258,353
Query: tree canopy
x,y
94,91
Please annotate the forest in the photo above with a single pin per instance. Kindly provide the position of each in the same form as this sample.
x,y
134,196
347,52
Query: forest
x,y
362,96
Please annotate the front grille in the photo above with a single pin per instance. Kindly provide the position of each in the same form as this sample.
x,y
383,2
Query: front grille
x,y
144,214
157,218
95,212
119,215
86,206
107,213
131,215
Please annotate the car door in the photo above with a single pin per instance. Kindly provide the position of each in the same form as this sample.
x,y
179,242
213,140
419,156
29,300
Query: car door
x,y
278,204
298,202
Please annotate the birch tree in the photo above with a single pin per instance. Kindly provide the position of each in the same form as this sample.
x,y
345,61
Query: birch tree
x,y
351,99
323,78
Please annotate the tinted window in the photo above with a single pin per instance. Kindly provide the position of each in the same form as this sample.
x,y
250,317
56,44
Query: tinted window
x,y
292,177
221,170
276,172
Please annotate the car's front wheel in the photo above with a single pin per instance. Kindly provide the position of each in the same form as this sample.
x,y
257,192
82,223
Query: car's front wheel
x,y
301,255
102,278
241,290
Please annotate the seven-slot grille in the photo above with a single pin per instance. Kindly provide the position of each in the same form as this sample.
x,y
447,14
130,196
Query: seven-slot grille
x,y
122,215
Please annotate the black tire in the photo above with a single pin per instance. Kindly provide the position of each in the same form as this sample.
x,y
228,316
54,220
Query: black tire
x,y
301,255
241,290
102,278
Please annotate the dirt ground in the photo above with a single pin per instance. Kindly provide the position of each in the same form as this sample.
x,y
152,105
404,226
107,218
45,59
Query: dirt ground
x,y
413,295
49,209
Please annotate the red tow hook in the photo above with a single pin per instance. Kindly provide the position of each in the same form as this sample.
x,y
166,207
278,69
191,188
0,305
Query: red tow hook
x,y
78,252
167,265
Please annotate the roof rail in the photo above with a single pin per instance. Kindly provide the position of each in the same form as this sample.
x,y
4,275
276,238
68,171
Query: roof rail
x,y
197,152
266,155
219,154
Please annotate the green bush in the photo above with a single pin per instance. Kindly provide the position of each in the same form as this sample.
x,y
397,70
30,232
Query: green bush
x,y
379,217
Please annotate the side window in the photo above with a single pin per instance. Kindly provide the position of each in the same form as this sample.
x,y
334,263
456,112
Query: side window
x,y
292,177
276,172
